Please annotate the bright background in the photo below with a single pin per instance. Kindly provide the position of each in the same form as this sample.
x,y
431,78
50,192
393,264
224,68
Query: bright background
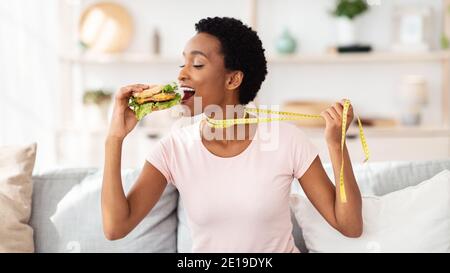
x,y
43,76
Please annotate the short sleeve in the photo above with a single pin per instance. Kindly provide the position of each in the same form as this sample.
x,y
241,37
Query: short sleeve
x,y
304,153
158,157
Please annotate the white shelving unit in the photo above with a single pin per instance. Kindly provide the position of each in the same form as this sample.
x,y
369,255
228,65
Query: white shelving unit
x,y
392,132
326,58
439,57
375,57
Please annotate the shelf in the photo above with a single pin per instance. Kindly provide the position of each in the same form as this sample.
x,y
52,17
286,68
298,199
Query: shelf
x,y
136,58
154,132
353,132
397,131
119,59
373,57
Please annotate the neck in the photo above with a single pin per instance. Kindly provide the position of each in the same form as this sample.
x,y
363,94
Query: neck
x,y
229,111
231,133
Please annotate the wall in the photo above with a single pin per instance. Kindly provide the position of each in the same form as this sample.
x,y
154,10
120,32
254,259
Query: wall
x,y
364,84
372,87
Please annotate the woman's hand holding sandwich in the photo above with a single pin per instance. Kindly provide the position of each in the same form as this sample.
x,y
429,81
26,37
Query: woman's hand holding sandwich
x,y
123,118
121,213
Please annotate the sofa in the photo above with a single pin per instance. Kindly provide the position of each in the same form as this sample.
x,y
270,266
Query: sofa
x,y
66,212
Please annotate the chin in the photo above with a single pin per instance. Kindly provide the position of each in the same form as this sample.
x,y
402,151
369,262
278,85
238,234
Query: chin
x,y
192,107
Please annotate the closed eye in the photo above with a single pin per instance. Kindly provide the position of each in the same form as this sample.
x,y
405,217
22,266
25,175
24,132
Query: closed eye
x,y
196,66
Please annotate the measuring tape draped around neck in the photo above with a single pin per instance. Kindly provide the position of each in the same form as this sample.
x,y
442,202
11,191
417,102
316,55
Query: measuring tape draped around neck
x,y
285,116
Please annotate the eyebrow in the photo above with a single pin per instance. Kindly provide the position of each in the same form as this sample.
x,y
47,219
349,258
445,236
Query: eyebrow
x,y
196,52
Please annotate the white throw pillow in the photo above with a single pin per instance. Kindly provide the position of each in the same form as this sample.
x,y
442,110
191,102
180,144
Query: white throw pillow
x,y
16,167
414,219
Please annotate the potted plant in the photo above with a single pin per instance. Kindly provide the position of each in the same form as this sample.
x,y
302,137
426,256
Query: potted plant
x,y
96,104
346,11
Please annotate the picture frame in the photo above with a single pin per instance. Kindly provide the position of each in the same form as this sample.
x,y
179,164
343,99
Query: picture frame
x,y
412,28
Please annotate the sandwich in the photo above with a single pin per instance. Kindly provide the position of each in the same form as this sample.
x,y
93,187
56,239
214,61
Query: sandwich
x,y
156,98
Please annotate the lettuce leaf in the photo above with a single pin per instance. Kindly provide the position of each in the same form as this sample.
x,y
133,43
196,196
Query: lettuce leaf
x,y
142,110
170,87
132,102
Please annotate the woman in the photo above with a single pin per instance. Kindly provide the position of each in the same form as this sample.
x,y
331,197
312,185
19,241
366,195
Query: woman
x,y
235,191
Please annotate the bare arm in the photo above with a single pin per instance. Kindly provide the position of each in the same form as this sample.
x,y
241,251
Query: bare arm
x,y
344,217
325,197
121,213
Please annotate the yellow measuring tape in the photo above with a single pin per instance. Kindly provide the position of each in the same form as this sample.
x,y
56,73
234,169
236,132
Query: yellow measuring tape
x,y
289,116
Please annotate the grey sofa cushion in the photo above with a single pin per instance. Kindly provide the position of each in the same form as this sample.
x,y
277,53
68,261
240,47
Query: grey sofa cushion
x,y
380,178
184,241
66,215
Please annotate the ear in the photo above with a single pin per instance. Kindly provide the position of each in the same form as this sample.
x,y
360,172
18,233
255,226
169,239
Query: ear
x,y
234,80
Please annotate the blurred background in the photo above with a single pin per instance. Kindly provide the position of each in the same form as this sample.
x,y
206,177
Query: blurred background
x,y
61,61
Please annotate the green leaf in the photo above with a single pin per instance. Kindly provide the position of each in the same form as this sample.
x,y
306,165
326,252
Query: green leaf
x,y
170,87
143,109
350,8
96,96
445,43
132,102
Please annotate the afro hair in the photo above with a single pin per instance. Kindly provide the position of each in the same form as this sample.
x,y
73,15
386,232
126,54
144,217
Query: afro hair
x,y
242,50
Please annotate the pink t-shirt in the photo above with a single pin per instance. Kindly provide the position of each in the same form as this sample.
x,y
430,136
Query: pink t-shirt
x,y
240,203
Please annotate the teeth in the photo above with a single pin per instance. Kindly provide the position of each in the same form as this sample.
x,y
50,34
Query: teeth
x,y
188,89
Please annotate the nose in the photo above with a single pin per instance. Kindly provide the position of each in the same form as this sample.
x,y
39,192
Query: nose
x,y
183,75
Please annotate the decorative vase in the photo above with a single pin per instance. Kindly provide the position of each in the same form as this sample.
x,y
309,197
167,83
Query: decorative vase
x,y
413,98
346,31
286,43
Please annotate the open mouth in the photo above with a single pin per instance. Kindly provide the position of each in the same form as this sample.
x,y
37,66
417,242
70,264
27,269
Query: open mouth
x,y
188,93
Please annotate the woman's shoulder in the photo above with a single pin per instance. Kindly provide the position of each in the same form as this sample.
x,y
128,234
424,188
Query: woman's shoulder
x,y
282,128
289,133
289,127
